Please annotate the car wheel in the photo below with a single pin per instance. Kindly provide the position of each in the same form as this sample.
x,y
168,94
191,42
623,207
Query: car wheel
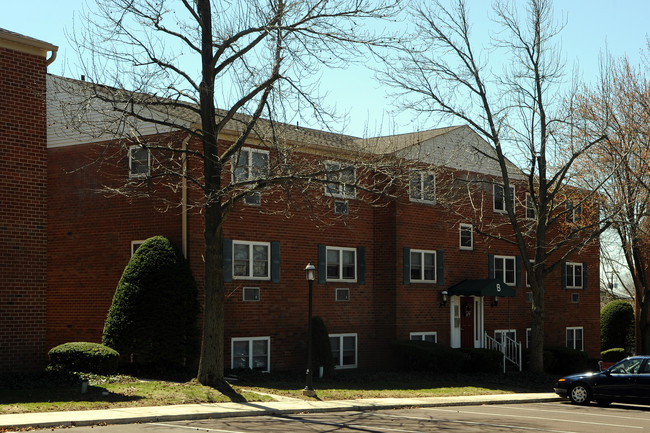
x,y
580,394
603,402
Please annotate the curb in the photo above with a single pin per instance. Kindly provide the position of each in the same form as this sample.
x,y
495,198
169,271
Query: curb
x,y
229,410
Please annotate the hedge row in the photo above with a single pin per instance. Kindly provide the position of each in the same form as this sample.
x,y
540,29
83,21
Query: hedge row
x,y
423,355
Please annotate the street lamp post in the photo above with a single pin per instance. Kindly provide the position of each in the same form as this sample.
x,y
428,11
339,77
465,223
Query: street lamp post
x,y
309,386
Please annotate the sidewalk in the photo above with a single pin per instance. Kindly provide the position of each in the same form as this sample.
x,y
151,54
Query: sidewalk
x,y
224,410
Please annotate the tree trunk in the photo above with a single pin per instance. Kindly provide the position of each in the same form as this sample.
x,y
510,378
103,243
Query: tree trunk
x,y
211,364
537,331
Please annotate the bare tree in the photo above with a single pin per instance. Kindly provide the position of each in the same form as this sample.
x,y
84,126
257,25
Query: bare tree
x,y
619,104
174,64
518,111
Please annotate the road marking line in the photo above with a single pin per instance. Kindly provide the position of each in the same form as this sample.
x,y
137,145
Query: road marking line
x,y
442,421
195,428
530,417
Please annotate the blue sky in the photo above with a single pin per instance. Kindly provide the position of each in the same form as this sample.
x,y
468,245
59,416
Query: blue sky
x,y
592,25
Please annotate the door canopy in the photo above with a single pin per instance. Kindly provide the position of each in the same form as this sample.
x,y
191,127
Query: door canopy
x,y
487,287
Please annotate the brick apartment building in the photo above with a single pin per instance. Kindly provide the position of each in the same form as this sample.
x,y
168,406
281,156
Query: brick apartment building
x,y
402,266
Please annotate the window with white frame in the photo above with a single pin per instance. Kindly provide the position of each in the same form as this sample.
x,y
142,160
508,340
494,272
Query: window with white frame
x,y
422,186
424,336
530,207
249,165
499,335
139,161
573,275
423,266
466,237
574,338
341,180
504,269
573,212
529,337
252,353
341,264
251,260
500,198
344,350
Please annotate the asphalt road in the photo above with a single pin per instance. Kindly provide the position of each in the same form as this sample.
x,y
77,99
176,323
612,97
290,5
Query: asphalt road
x,y
559,417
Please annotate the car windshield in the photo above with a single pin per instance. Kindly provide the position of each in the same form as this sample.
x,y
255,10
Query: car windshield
x,y
628,366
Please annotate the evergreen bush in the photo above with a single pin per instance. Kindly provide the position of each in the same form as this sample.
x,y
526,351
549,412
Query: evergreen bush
x,y
153,317
617,325
482,360
613,355
84,357
424,355
562,360
321,347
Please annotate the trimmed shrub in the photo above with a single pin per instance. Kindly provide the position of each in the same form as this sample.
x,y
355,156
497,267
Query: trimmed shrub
x,y
482,360
562,360
613,355
153,318
321,347
424,355
84,357
617,325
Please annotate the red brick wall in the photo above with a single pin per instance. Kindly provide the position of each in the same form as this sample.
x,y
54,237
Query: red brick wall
x,y
89,236
23,211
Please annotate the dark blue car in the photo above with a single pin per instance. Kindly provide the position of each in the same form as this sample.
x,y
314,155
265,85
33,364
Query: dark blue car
x,y
626,381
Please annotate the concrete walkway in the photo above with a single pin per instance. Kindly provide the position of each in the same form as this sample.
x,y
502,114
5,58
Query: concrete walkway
x,y
224,410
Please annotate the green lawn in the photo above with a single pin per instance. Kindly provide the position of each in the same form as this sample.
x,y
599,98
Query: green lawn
x,y
47,394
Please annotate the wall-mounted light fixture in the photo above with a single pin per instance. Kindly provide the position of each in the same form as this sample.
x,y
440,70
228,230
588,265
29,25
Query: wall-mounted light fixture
x,y
444,294
495,302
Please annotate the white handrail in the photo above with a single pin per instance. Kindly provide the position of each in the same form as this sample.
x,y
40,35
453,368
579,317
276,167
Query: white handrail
x,y
510,348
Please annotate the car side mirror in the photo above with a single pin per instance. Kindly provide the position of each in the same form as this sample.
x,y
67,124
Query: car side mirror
x,y
607,373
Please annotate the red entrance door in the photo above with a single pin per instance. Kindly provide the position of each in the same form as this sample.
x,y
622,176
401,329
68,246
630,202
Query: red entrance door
x,y
466,322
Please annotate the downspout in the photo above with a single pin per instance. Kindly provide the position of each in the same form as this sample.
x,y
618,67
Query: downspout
x,y
52,57
184,234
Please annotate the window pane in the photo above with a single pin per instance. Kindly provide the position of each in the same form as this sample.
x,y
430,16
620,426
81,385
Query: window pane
x,y
241,260
429,266
578,339
510,271
430,337
349,350
415,186
465,236
416,266
416,337
335,343
429,192
333,175
498,268
498,198
260,165
240,354
333,264
578,275
260,261
260,354
348,265
139,161
241,168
